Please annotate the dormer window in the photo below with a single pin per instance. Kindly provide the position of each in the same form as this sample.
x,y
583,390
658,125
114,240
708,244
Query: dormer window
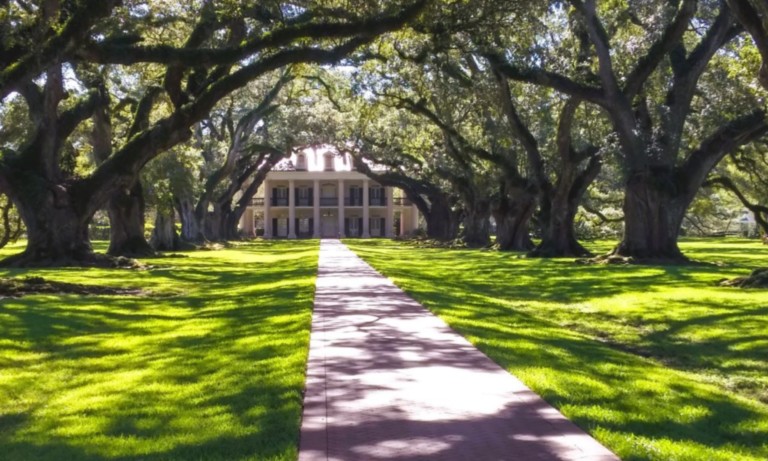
x,y
301,162
328,162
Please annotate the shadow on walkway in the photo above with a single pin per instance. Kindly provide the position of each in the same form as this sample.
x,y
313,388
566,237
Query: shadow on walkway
x,y
389,380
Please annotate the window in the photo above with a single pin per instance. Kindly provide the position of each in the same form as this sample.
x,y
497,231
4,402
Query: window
x,y
304,225
353,228
282,227
280,196
329,162
355,196
376,197
375,224
303,196
301,162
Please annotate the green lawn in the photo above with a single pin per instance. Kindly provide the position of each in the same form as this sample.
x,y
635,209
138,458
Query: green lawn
x,y
209,366
656,362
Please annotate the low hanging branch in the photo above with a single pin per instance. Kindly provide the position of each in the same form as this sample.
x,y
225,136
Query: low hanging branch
x,y
753,15
759,211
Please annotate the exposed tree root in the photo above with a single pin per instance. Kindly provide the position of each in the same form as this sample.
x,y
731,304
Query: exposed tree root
x,y
29,259
17,287
618,259
576,251
757,279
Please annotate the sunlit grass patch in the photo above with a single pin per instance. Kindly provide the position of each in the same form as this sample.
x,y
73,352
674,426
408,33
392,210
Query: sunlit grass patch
x,y
210,365
656,361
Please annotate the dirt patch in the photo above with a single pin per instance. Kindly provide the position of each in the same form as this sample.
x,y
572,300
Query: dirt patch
x,y
18,287
757,279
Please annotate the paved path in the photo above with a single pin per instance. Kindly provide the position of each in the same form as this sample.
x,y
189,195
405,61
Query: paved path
x,y
388,380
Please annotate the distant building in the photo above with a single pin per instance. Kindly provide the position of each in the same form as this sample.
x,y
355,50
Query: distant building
x,y
747,224
318,194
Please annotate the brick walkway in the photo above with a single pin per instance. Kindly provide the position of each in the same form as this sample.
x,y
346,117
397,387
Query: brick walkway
x,y
387,380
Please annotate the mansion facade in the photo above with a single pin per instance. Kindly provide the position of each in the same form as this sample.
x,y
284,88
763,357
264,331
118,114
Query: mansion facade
x,y
317,194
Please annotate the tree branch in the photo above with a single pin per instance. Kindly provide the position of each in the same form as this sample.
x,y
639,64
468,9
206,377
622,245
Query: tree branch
x,y
600,41
125,164
72,34
548,79
656,53
756,23
760,212
732,135
106,53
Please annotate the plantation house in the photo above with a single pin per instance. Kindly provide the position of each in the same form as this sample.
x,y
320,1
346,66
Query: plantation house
x,y
317,193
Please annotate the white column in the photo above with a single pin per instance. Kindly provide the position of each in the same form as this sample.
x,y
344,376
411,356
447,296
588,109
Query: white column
x,y
243,221
246,222
316,209
267,218
366,212
389,197
341,208
291,210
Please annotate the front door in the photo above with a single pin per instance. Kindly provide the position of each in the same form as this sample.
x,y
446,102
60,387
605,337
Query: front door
x,y
329,227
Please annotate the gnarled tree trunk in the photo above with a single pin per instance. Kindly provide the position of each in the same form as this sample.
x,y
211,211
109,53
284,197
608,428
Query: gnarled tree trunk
x,y
558,236
512,218
190,226
126,223
57,226
559,209
442,221
164,235
477,226
230,223
653,213
213,227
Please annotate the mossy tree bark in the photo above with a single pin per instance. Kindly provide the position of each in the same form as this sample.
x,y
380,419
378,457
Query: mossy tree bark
x,y
57,204
127,223
661,173
513,212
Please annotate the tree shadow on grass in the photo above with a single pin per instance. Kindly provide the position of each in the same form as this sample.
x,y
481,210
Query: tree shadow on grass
x,y
600,382
214,372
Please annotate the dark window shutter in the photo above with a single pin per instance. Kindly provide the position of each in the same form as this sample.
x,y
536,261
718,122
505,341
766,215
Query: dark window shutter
x,y
296,226
346,227
273,198
274,227
383,228
311,226
360,227
311,195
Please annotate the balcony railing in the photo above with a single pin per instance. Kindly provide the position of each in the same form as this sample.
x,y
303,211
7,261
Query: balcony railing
x,y
329,201
353,201
377,201
332,201
279,201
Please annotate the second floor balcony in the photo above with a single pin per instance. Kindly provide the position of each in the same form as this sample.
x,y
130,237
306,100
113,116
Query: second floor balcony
x,y
329,201
354,201
377,201
278,201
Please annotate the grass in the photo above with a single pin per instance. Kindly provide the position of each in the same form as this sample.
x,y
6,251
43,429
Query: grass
x,y
656,362
210,366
